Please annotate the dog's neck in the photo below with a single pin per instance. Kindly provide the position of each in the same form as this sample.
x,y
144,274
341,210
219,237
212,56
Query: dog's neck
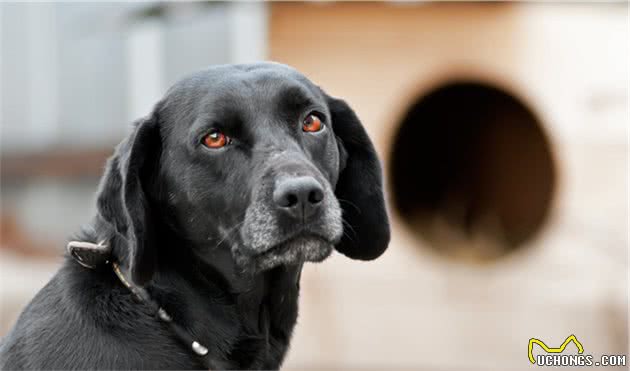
x,y
204,291
209,266
221,262
250,305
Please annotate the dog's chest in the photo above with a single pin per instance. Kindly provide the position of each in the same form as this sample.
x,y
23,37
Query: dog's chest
x,y
248,330
267,323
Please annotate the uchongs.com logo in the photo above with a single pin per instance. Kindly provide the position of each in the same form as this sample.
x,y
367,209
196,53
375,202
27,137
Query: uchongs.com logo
x,y
555,357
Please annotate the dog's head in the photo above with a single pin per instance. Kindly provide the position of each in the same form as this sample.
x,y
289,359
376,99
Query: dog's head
x,y
255,159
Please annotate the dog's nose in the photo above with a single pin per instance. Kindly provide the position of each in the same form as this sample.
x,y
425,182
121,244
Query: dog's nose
x,y
300,197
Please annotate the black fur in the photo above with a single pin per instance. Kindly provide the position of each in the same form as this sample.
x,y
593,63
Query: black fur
x,y
360,188
197,228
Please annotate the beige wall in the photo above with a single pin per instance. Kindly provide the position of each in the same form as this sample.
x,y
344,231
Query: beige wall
x,y
568,63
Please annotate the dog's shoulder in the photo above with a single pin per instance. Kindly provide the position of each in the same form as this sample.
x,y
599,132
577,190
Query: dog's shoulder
x,y
35,330
83,319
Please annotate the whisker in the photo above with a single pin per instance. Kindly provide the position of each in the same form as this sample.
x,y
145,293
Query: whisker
x,y
351,204
345,223
230,231
348,235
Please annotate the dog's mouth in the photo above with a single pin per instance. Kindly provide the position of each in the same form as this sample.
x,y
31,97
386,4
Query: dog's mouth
x,y
295,250
307,246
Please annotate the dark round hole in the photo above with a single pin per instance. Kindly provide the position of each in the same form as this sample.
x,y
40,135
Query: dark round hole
x,y
315,196
291,200
472,171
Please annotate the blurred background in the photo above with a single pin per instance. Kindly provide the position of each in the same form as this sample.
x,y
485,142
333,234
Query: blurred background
x,y
503,130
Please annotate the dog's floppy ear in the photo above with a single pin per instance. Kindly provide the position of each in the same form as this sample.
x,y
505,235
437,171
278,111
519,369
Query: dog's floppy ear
x,y
122,202
359,188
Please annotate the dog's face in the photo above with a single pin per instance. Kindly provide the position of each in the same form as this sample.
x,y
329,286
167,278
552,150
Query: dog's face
x,y
251,158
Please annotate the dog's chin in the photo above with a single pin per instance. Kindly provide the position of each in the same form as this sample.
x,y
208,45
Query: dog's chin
x,y
294,251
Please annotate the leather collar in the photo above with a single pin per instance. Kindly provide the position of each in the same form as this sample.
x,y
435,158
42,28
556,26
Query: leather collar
x,y
92,255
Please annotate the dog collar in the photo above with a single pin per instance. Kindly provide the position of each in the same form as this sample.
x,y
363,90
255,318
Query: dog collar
x,y
91,255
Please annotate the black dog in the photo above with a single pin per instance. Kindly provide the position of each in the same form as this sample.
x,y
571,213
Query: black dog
x,y
208,210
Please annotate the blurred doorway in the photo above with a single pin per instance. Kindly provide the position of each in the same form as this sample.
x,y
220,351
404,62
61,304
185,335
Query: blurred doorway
x,y
472,170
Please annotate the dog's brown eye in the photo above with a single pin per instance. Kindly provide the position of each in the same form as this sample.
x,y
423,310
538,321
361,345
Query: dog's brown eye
x,y
215,139
312,123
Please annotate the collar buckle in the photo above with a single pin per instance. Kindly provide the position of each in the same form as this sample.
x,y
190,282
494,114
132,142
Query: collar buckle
x,y
88,254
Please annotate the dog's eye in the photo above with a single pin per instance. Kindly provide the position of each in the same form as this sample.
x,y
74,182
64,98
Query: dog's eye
x,y
312,123
216,139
